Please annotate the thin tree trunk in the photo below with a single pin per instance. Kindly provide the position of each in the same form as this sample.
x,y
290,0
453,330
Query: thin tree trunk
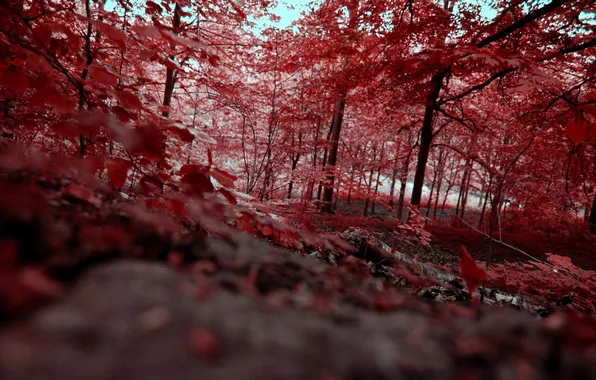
x,y
352,176
337,192
378,179
402,188
335,133
367,201
461,190
592,217
438,194
325,155
170,73
430,196
394,175
376,191
295,160
466,191
311,185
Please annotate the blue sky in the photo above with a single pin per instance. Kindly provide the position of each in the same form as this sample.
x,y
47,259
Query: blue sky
x,y
289,11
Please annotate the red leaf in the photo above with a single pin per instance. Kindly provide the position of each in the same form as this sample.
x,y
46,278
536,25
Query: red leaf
x,y
146,30
228,195
114,34
177,207
198,183
93,163
81,193
214,60
66,129
577,130
147,141
183,134
193,169
152,7
129,100
209,157
14,80
173,37
122,114
118,171
473,275
244,223
150,186
61,103
226,179
204,343
103,75
267,230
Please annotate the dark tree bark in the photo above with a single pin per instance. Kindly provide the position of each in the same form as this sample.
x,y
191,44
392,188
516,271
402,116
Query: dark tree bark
x,y
439,185
402,188
325,158
465,195
332,159
394,175
369,185
170,73
432,191
426,135
295,158
592,217
376,193
352,176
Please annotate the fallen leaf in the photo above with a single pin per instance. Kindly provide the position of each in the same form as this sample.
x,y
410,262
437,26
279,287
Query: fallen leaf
x,y
473,275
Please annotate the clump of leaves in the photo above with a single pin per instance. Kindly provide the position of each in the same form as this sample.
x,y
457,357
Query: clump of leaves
x,y
413,231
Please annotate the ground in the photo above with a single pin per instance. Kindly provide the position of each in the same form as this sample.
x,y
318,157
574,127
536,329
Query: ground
x,y
95,287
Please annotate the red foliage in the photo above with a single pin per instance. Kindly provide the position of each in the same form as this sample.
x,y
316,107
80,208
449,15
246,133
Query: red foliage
x,y
473,275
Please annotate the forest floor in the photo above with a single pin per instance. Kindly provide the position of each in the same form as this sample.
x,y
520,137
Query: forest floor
x,y
448,234
96,287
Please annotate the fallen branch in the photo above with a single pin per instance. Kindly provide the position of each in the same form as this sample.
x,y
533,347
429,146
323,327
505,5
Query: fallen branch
x,y
385,253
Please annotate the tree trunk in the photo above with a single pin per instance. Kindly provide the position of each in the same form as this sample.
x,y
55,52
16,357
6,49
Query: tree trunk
x,y
394,175
337,192
402,188
367,202
462,186
376,191
352,176
426,135
592,217
332,159
465,196
295,160
378,178
438,194
430,195
486,196
325,157
170,73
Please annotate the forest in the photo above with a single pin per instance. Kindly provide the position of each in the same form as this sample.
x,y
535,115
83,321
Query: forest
x,y
334,189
